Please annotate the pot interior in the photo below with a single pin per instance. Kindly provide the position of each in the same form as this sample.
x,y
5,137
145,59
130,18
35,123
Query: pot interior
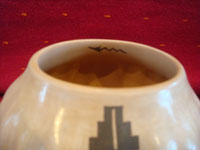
x,y
107,63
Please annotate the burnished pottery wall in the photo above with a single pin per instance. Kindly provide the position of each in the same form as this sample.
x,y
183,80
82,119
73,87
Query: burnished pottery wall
x,y
44,113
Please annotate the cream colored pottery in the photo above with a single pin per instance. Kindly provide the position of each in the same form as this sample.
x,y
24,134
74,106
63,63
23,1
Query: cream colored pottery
x,y
39,112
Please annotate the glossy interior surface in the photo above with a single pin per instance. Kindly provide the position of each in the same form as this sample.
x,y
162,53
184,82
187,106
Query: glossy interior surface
x,y
106,69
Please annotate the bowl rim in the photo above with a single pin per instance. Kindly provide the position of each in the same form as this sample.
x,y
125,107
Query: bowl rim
x,y
34,67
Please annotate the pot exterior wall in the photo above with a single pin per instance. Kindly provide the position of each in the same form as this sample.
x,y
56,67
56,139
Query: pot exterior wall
x,y
38,115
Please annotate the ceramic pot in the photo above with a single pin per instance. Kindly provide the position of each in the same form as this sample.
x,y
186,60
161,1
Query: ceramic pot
x,y
40,112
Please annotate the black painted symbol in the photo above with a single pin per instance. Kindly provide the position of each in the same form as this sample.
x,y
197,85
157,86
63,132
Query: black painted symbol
x,y
113,133
99,49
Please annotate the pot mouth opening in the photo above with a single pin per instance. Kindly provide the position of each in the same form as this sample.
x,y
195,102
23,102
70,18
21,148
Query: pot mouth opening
x,y
90,52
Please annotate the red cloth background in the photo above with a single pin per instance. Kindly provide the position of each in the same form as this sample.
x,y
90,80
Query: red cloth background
x,y
28,25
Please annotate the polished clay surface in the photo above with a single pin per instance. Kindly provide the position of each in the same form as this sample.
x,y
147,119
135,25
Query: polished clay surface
x,y
41,112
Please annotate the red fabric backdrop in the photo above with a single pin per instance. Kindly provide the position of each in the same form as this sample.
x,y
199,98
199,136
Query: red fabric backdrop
x,y
28,25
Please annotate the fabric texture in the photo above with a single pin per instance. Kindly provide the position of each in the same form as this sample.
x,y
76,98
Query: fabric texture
x,y
27,26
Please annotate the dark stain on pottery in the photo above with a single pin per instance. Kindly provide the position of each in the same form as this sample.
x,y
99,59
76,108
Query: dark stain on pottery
x,y
113,133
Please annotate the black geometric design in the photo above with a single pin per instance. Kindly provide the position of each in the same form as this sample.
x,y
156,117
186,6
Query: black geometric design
x,y
113,133
99,49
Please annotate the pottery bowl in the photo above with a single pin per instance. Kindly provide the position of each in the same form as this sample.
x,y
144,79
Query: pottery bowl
x,y
41,112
